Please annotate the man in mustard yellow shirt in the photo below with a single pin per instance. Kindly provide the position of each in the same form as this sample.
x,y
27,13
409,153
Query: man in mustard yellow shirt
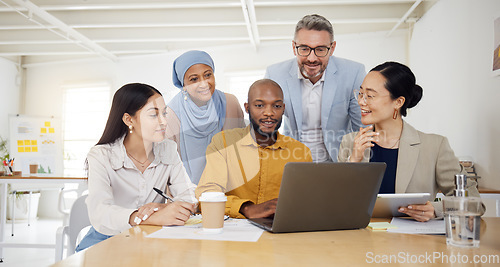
x,y
247,163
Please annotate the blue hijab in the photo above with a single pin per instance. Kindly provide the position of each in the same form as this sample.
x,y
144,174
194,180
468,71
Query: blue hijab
x,y
198,124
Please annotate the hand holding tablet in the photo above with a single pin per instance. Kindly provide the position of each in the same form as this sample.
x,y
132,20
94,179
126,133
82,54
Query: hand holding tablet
x,y
387,205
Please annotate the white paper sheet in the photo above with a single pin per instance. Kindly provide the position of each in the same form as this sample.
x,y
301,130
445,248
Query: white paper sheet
x,y
410,226
234,230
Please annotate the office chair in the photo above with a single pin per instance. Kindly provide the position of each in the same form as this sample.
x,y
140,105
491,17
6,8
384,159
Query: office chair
x,y
61,203
78,219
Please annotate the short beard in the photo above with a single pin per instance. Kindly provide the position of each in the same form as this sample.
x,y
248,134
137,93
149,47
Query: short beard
x,y
255,126
304,73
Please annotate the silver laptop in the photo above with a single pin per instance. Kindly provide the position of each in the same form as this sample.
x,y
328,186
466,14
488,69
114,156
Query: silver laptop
x,y
325,196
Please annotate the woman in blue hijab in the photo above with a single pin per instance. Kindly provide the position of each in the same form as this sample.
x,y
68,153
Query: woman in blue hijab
x,y
199,111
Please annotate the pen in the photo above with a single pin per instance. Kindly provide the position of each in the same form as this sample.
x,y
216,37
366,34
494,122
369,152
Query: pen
x,y
165,196
11,164
161,194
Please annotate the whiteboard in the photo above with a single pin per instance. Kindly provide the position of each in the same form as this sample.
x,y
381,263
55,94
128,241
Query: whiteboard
x,y
36,139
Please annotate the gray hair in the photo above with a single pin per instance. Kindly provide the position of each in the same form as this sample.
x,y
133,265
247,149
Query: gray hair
x,y
314,22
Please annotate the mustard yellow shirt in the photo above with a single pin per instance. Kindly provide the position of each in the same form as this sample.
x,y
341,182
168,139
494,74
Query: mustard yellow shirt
x,y
244,171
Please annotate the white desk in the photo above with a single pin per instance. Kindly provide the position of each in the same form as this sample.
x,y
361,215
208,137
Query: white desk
x,y
5,180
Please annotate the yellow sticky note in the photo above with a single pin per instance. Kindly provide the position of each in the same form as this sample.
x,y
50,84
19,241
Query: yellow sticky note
x,y
33,142
51,130
27,149
27,142
47,124
20,149
43,130
192,221
34,149
20,142
381,226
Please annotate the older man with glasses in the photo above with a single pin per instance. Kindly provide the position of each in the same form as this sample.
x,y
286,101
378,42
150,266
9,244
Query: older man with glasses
x,y
318,89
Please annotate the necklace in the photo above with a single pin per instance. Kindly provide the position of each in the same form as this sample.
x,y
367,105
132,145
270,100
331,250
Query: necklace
x,y
399,138
397,141
142,163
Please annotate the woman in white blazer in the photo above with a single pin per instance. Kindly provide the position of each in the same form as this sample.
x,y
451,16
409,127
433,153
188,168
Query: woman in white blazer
x,y
416,162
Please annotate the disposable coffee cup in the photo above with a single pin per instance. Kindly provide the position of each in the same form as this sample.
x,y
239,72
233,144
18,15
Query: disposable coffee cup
x,y
213,205
33,169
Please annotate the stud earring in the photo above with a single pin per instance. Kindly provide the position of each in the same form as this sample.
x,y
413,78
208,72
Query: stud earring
x,y
130,128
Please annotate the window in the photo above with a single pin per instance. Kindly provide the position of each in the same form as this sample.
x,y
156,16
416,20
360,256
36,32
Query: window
x,y
85,111
239,83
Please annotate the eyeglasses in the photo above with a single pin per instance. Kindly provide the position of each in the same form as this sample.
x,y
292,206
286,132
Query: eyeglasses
x,y
319,51
368,98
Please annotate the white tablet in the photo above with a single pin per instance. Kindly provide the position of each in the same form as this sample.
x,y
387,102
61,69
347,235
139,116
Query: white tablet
x,y
387,205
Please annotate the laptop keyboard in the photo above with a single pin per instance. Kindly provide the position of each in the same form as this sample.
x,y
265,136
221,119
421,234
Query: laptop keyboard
x,y
268,224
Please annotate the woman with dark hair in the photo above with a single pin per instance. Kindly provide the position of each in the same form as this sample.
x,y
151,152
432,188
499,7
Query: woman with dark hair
x,y
198,111
131,158
416,162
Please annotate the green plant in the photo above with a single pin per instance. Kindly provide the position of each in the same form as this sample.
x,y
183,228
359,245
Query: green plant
x,y
19,194
4,151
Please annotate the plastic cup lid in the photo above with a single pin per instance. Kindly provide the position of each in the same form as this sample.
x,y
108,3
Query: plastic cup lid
x,y
213,197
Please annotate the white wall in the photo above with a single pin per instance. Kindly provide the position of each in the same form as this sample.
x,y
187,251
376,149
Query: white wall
x,y
451,54
372,49
9,94
44,84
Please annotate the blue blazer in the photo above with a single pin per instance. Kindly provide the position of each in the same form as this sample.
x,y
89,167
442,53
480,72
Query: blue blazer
x,y
340,112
